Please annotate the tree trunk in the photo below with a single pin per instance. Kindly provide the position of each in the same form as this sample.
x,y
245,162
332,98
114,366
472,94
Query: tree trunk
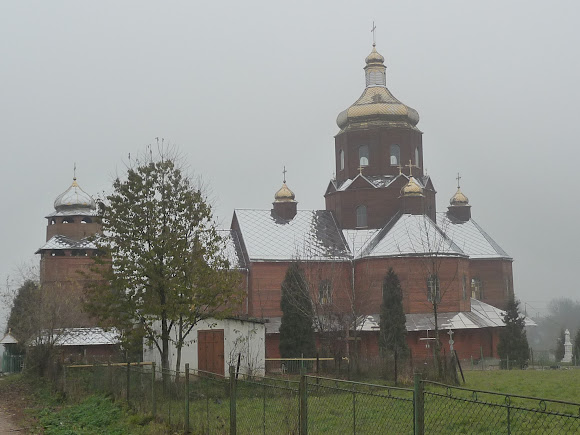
x,y
396,374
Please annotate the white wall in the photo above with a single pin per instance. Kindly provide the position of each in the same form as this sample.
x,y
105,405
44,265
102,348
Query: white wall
x,y
243,337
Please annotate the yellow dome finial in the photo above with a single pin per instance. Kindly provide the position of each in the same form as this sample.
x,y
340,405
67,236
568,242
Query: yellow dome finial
x,y
459,198
284,194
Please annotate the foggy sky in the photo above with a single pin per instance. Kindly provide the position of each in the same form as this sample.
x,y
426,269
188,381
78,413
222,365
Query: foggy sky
x,y
244,88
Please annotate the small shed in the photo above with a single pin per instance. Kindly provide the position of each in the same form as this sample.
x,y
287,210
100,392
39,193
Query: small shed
x,y
12,362
215,344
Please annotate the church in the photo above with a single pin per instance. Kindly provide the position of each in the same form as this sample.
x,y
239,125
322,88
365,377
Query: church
x,y
380,213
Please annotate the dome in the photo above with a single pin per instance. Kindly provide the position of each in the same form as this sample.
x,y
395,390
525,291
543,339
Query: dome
x,y
284,194
74,198
374,57
377,105
412,188
459,199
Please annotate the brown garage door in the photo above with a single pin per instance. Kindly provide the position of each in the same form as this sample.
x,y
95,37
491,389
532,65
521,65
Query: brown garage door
x,y
210,351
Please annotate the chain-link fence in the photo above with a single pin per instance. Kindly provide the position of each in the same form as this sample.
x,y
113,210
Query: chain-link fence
x,y
452,410
205,403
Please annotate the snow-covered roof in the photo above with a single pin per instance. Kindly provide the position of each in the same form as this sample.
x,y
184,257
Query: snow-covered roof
x,y
358,239
482,315
8,339
470,237
64,242
82,337
310,235
232,249
408,235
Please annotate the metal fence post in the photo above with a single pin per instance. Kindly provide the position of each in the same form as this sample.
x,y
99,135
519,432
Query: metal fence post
x,y
419,405
128,381
233,422
353,409
186,397
153,396
303,389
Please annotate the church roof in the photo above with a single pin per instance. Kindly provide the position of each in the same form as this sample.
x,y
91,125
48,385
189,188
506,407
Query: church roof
x,y
411,235
471,238
311,235
232,250
74,198
64,242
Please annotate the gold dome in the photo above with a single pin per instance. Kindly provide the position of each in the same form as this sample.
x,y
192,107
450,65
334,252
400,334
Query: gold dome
x,y
376,105
284,194
412,188
459,199
374,57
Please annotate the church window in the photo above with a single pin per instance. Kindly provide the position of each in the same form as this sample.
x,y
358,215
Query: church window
x,y
417,157
56,253
341,160
361,216
78,253
86,220
395,155
464,287
68,221
363,155
433,289
476,289
507,286
52,221
325,292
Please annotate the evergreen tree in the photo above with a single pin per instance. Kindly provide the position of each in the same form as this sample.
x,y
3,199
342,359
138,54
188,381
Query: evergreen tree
x,y
560,349
513,343
296,329
392,327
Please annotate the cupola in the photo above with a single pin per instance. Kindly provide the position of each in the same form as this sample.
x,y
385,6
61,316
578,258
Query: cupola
x,y
284,205
459,206
74,199
376,105
412,198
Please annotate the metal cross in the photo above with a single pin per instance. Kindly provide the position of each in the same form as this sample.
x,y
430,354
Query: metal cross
x,y
451,341
75,171
284,172
410,166
458,178
360,169
373,32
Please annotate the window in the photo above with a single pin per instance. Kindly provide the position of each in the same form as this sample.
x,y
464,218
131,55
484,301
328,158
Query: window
x,y
395,155
433,289
361,216
341,160
507,286
52,221
325,292
464,287
78,253
476,289
417,157
56,253
86,220
68,221
363,155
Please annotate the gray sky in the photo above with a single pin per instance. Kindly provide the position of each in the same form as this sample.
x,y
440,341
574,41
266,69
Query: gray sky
x,y
244,88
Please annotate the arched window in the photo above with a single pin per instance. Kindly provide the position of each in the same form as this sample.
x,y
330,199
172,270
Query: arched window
x,y
476,289
433,289
325,292
395,155
86,220
464,287
68,221
363,155
341,160
52,221
361,216
417,157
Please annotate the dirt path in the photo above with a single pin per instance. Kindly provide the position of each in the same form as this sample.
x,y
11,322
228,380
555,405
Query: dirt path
x,y
6,425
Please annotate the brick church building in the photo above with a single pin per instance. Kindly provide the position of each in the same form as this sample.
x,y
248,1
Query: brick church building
x,y
380,213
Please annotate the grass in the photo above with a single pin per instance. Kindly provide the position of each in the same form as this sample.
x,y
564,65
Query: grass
x,y
273,407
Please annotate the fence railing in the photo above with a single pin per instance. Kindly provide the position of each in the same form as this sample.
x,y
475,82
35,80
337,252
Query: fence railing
x,y
200,402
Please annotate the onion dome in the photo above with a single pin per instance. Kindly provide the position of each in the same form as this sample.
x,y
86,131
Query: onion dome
x,y
459,199
284,194
74,198
376,105
412,188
